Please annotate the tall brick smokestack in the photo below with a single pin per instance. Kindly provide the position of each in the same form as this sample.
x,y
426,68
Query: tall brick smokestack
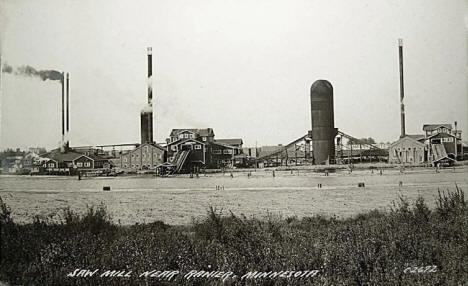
x,y
402,90
146,115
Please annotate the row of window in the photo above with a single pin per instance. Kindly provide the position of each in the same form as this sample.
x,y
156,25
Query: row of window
x,y
439,130
226,151
79,165
86,164
409,148
187,136
197,147
138,165
144,155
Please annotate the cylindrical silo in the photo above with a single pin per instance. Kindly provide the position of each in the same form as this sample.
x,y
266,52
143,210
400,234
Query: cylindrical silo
x,y
323,123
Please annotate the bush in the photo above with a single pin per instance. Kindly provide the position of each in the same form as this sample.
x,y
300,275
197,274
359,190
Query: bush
x,y
373,248
5,213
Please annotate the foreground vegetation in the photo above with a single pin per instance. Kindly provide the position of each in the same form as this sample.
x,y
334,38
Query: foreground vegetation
x,y
409,245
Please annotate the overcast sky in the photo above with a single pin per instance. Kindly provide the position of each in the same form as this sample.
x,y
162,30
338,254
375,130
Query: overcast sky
x,y
241,67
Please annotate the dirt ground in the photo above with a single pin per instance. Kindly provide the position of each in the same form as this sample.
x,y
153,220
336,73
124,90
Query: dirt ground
x,y
180,199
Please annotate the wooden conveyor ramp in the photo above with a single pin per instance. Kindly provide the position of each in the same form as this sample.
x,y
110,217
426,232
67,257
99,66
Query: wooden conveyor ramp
x,y
285,147
179,160
282,148
358,141
439,152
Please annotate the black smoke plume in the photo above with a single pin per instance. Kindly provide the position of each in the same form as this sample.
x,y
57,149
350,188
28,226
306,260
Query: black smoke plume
x,y
7,68
32,72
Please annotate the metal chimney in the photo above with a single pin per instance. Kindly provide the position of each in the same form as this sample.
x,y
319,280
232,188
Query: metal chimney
x,y
68,104
402,91
68,112
63,107
150,75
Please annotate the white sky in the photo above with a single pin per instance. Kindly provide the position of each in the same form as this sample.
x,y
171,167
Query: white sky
x,y
241,67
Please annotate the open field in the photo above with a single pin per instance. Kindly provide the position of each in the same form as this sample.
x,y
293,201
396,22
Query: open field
x,y
178,200
408,245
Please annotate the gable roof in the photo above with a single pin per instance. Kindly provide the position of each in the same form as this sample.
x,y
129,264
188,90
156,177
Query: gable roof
x,y
89,157
63,157
407,138
96,157
432,127
233,141
149,144
69,156
200,132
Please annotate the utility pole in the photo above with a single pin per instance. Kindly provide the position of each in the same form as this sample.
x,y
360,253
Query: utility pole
x,y
456,153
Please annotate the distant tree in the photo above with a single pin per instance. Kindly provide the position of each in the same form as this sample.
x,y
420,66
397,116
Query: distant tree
x,y
369,140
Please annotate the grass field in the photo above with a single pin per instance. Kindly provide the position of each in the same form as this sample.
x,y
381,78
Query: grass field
x,y
411,244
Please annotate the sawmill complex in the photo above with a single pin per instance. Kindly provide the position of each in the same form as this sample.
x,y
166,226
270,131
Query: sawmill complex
x,y
193,150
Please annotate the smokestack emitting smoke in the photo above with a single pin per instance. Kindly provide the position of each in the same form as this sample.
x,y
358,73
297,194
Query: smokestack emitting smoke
x,y
44,75
402,91
146,115
6,68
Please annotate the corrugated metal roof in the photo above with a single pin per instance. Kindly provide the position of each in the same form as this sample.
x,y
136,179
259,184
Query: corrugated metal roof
x,y
233,141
